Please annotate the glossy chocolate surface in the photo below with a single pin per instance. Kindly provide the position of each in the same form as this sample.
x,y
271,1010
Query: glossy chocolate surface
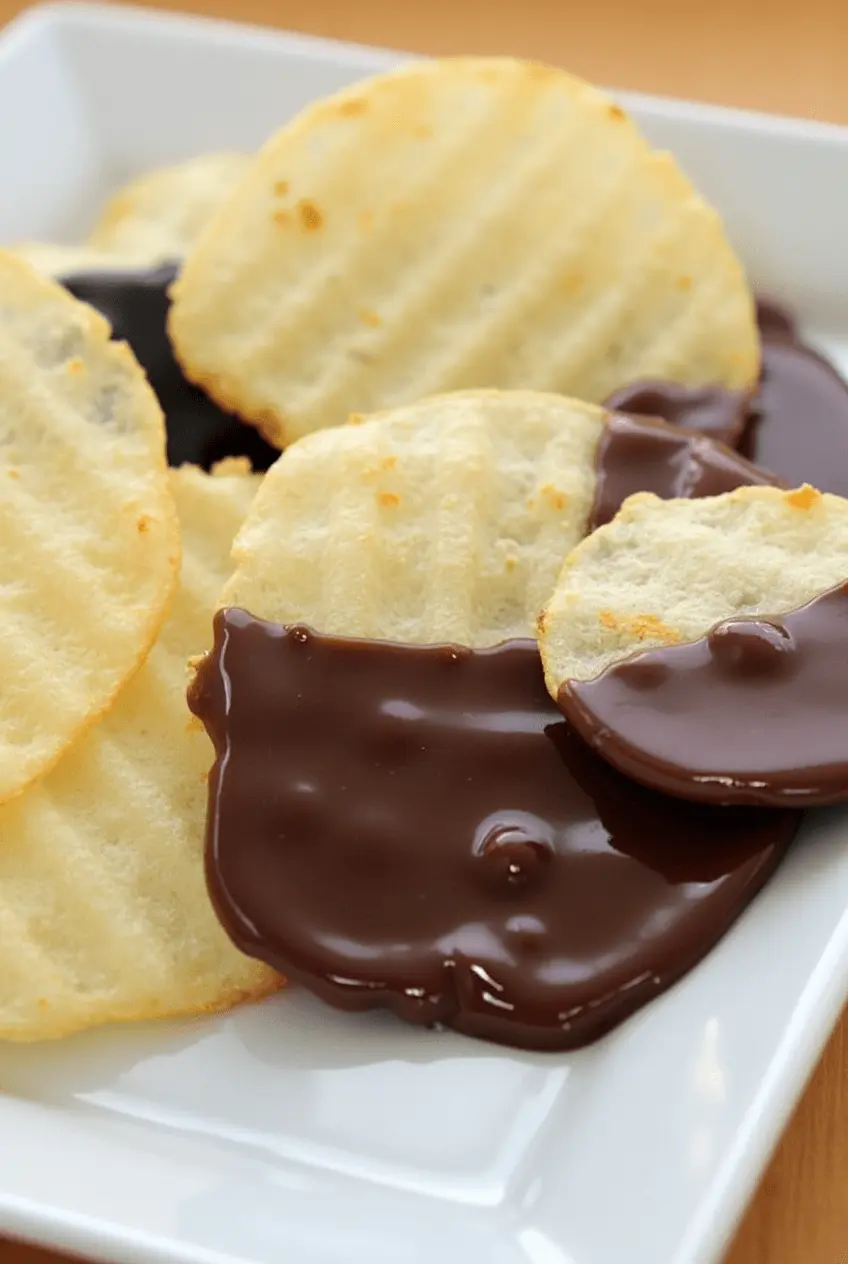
x,y
753,712
416,828
643,454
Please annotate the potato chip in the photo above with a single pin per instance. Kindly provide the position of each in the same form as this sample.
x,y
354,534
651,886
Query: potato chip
x,y
667,571
104,914
460,223
159,215
444,521
87,521
63,261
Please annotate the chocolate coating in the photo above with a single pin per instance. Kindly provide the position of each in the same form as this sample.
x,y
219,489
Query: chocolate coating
x,y
799,416
135,302
753,712
416,828
713,411
643,454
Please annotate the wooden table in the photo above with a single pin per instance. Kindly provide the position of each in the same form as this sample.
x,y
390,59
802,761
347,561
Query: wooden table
x,y
777,55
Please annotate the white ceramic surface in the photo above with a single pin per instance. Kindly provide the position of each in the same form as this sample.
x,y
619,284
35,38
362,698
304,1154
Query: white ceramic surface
x,y
286,1132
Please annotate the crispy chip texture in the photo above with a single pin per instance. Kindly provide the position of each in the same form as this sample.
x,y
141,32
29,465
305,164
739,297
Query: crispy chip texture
x,y
87,521
444,521
104,914
666,571
460,223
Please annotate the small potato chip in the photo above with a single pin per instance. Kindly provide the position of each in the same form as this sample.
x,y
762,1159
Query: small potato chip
x,y
460,223
62,261
87,521
104,914
444,521
667,571
159,216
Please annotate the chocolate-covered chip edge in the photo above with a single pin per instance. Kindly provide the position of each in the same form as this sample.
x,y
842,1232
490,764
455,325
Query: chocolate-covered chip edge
x,y
644,454
416,828
752,713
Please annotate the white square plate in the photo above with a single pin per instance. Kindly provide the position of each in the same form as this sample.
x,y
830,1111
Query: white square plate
x,y
287,1132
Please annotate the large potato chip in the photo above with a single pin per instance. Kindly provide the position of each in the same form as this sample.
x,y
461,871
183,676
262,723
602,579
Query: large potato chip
x,y
160,214
103,908
444,521
88,527
467,222
667,571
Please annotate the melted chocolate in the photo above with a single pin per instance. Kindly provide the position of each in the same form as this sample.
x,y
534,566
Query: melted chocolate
x,y
754,712
710,410
417,829
643,454
799,416
136,305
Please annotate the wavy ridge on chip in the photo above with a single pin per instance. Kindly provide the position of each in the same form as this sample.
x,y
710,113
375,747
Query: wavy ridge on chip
x,y
87,521
444,521
104,914
469,222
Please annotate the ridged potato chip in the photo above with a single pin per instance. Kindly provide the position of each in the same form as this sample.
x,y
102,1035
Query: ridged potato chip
x,y
87,521
445,521
460,223
667,571
159,215
104,914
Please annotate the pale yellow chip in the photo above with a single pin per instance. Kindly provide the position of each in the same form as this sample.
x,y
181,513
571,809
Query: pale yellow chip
x,y
88,529
65,261
159,215
444,521
667,571
460,223
104,914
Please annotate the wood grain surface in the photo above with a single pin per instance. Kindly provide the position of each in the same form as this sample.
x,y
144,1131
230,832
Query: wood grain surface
x,y
776,55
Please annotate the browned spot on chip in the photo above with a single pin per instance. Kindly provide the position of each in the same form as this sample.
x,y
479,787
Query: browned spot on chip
x,y
388,462
350,109
13,473
616,112
803,497
281,217
572,282
388,499
143,523
370,318
311,218
510,563
554,496
640,626
76,365
684,282
356,419
281,188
